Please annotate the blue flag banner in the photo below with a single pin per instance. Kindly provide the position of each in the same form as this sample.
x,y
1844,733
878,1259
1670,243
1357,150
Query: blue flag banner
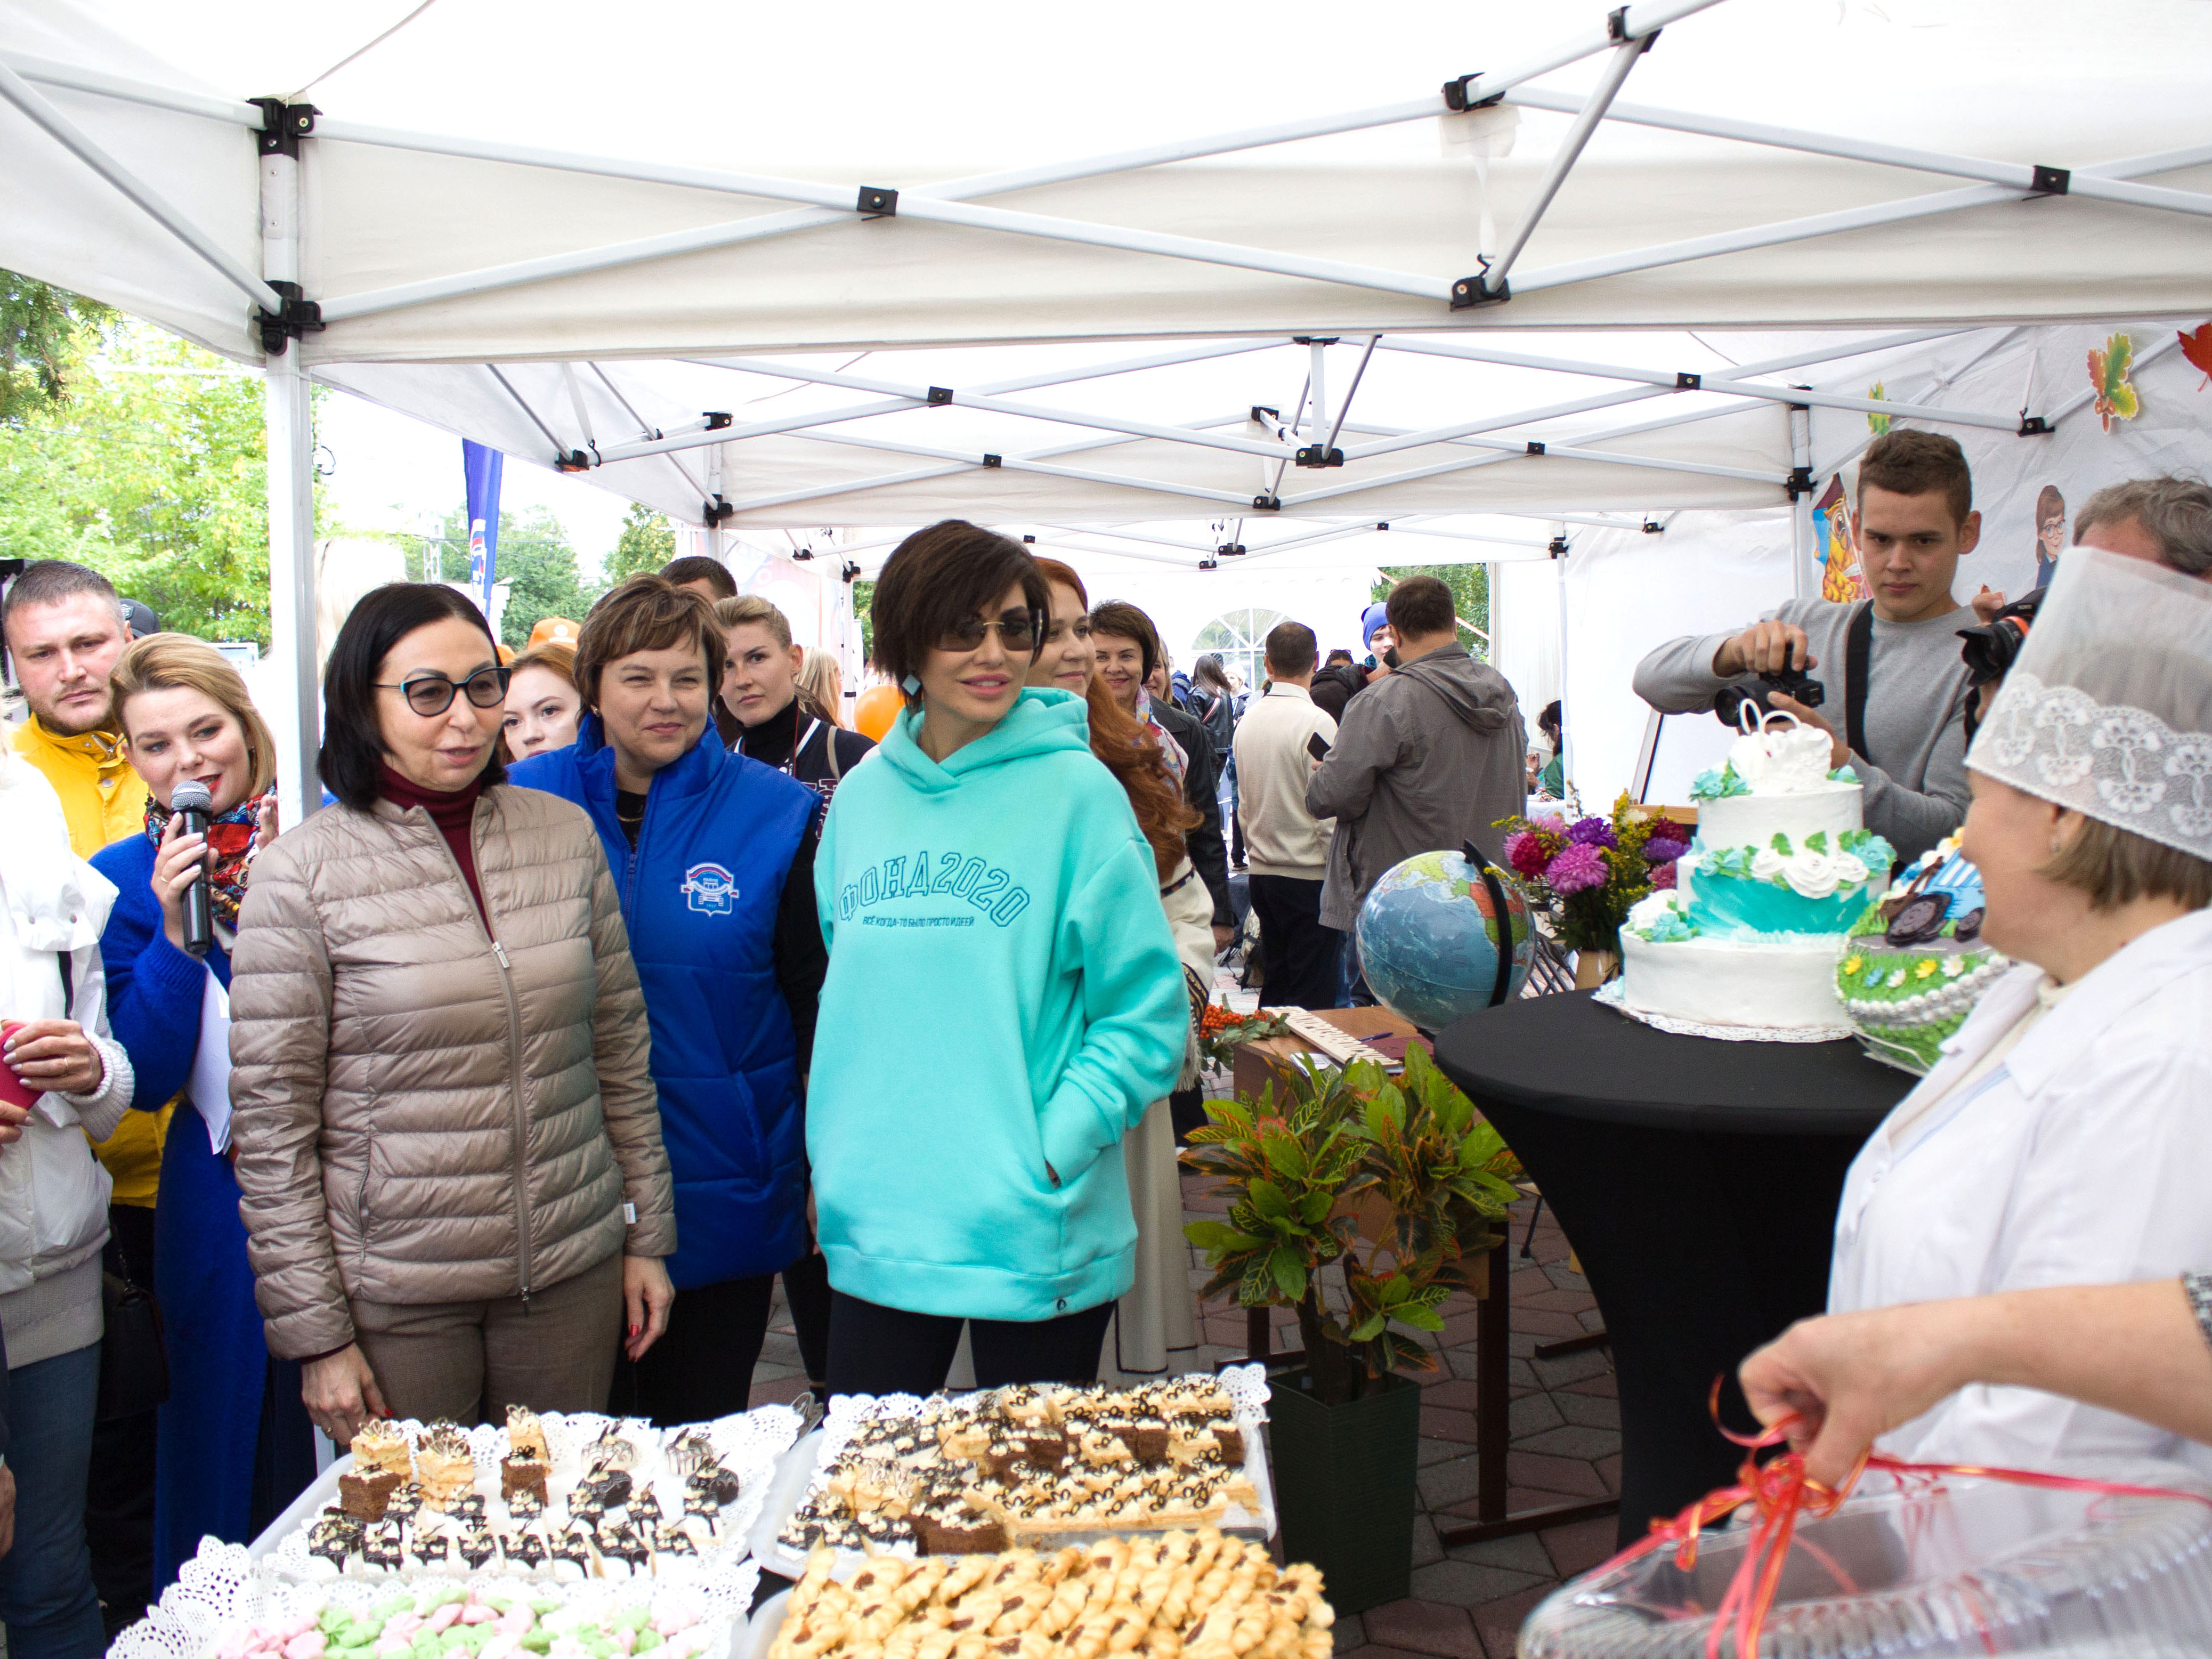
x,y
482,466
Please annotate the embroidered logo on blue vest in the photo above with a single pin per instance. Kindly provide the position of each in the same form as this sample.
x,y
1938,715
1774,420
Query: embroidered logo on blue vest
x,y
710,887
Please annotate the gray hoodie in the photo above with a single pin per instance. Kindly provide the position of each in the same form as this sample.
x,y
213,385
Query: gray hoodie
x,y
1426,758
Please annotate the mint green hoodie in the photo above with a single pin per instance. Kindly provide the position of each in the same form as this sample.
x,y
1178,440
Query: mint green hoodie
x,y
1003,1003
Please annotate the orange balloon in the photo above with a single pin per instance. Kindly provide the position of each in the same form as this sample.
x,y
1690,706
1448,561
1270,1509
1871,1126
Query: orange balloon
x,y
878,707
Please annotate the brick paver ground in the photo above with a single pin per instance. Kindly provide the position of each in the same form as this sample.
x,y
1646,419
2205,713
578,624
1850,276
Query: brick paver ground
x,y
1465,1603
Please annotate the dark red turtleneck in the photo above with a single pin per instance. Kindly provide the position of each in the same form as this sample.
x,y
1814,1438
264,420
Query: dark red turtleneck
x,y
453,813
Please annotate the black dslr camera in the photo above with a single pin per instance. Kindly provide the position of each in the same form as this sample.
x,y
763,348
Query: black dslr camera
x,y
1791,682
1991,649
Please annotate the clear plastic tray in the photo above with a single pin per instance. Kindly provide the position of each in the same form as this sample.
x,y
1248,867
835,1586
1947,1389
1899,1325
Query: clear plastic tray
x,y
1971,1567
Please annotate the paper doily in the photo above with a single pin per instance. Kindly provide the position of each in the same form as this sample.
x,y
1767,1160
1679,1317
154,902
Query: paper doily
x,y
749,1442
1611,995
1245,1385
224,1590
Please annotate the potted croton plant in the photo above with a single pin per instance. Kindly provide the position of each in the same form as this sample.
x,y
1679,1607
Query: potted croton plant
x,y
1363,1203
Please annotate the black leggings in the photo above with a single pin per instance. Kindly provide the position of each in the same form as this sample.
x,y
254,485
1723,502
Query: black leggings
x,y
878,1350
703,1366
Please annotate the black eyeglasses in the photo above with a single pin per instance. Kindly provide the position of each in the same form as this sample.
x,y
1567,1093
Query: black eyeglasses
x,y
1018,631
433,693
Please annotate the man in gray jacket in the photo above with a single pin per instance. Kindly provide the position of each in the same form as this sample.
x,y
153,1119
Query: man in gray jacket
x,y
1915,522
1428,756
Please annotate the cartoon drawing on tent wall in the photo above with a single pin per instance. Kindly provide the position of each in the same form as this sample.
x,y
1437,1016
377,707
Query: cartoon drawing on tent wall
x,y
2049,533
1842,580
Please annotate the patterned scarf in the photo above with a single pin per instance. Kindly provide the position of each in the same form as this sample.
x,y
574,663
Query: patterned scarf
x,y
1178,763
233,838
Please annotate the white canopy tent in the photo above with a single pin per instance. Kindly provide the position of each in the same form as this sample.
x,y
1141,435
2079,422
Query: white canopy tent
x,y
547,240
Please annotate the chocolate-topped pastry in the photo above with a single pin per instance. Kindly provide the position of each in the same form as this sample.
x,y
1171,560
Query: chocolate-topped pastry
x,y
364,1496
476,1547
334,1538
585,1505
525,1506
571,1554
404,1504
690,1450
430,1549
611,1450
672,1544
468,1508
384,1546
524,1547
379,1445
525,1435
643,1505
623,1552
613,1487
715,1481
521,1473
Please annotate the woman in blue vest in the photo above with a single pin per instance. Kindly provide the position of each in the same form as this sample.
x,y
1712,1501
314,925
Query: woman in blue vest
x,y
233,1444
713,859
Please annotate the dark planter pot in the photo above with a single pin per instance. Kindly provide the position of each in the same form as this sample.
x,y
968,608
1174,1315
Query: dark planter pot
x,y
1344,1486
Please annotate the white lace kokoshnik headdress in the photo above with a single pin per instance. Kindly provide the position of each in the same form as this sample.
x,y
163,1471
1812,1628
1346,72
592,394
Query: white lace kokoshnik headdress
x,y
2109,709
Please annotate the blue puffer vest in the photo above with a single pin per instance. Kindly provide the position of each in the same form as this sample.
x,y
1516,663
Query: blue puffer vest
x,y
700,897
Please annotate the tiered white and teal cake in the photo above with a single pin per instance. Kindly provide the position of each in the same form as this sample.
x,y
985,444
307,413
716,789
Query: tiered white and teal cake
x,y
1782,867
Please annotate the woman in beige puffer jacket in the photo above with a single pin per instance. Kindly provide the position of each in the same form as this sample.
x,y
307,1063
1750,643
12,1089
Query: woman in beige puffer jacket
x,y
448,1145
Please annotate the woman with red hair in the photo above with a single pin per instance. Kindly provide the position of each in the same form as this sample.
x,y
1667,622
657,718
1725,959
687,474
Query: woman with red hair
x,y
1155,1318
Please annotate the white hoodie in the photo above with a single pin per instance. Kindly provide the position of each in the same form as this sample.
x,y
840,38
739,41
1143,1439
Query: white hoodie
x,y
54,1194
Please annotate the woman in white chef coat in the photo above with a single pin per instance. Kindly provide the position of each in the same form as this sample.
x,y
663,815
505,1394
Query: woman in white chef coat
x,y
2063,1138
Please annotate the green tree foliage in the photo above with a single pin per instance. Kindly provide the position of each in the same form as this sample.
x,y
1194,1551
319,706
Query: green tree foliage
x,y
864,604
1470,587
535,556
39,328
647,542
150,466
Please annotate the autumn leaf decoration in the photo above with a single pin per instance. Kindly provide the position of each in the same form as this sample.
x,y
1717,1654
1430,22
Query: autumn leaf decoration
x,y
2197,348
1877,423
2108,378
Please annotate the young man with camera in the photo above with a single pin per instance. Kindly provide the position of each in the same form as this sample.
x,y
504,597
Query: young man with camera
x,y
1894,687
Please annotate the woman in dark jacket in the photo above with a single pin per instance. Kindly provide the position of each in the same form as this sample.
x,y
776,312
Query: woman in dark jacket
x,y
713,862
781,724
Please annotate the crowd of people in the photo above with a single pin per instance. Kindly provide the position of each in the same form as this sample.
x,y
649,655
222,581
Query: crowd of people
x,y
619,981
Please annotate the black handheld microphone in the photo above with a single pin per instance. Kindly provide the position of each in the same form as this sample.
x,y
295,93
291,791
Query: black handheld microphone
x,y
192,802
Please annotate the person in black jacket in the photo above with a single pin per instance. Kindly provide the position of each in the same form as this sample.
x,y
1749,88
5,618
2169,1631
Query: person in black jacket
x,y
1339,681
779,723
1130,649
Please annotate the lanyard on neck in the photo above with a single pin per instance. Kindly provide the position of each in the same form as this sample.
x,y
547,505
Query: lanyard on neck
x,y
790,768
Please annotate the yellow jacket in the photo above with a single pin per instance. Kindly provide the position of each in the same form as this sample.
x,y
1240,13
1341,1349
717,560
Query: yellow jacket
x,y
104,801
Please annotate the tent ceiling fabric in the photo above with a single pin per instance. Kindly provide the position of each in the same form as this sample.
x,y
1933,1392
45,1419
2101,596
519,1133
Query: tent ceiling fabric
x,y
819,102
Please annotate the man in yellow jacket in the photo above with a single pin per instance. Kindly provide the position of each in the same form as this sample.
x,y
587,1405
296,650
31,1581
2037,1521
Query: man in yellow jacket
x,y
65,628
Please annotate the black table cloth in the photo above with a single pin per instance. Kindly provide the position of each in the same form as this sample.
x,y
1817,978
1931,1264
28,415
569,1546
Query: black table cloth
x,y
1698,1181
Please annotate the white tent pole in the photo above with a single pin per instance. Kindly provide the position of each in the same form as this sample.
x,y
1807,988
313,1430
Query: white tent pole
x,y
702,436
1511,451
1119,534
2017,176
1729,385
1414,527
48,72
1493,279
288,408
1351,391
523,403
1411,440
1317,384
1800,505
717,462
149,201
1191,563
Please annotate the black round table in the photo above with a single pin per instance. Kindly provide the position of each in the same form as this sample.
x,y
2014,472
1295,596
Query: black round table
x,y
1698,1181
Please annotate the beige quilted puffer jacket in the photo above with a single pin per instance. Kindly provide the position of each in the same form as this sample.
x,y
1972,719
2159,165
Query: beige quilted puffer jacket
x,y
422,1114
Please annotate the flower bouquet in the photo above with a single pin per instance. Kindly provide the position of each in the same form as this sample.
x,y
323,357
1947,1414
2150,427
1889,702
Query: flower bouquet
x,y
1587,874
1222,1032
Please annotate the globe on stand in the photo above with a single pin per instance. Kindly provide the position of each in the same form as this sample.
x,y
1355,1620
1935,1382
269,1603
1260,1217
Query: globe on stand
x,y
1429,939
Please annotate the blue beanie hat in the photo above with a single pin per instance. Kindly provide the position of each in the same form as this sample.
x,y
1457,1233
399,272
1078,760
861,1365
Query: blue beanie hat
x,y
1376,615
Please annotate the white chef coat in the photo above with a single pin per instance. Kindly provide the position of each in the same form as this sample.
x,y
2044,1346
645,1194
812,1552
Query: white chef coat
x,y
2082,1159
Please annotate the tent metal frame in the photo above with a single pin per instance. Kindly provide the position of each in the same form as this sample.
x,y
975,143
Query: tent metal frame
x,y
282,312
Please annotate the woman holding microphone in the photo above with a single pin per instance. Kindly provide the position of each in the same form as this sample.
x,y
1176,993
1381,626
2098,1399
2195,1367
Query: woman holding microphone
x,y
223,1465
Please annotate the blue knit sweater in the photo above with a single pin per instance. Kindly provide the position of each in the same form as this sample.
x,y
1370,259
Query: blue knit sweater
x,y
153,989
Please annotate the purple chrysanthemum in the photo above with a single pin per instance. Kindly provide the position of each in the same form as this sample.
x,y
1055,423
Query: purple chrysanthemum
x,y
1662,877
1579,868
1593,832
1664,851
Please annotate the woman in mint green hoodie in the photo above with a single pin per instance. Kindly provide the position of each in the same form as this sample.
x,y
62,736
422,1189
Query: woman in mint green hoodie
x,y
1003,1001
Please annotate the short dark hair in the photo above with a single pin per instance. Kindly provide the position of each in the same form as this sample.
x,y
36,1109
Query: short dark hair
x,y
698,568
1338,654
1125,622
2175,513
1909,463
352,739
647,613
1550,720
1421,606
49,581
1291,648
937,577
